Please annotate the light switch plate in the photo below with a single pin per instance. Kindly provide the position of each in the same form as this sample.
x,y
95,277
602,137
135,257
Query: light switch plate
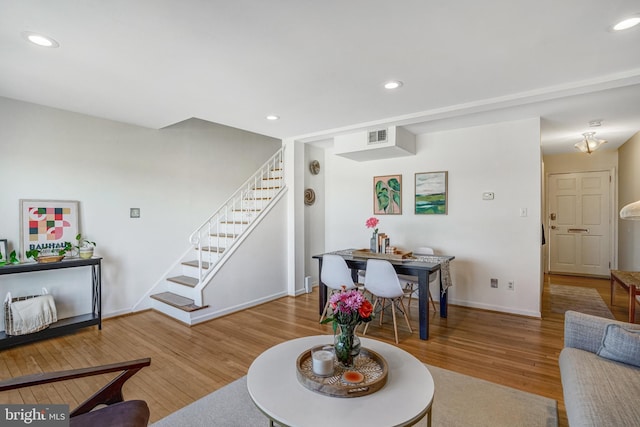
x,y
134,212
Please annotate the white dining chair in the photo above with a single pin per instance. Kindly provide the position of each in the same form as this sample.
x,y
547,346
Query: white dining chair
x,y
382,282
335,275
411,282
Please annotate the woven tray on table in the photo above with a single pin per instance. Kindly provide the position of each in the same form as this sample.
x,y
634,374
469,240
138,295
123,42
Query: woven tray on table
x,y
370,364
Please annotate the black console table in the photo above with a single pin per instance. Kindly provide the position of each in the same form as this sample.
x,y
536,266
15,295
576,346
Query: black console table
x,y
62,326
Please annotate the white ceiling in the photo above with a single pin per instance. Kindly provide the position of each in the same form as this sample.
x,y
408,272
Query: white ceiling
x,y
320,65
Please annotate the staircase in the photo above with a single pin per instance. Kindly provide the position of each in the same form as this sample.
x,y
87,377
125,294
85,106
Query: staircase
x,y
215,241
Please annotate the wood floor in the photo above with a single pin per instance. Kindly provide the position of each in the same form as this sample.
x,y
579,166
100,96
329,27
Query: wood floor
x,y
190,362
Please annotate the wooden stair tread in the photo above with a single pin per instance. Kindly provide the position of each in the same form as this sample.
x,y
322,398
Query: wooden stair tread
x,y
177,301
213,249
225,235
194,263
184,280
234,222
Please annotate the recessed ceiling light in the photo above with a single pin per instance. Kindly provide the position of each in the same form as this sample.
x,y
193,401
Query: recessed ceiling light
x,y
394,84
40,39
272,117
627,23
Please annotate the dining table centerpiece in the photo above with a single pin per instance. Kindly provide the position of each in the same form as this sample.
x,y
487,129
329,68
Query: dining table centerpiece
x,y
350,308
373,223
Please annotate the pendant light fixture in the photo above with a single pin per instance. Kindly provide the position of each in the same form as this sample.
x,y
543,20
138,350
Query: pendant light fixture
x,y
589,143
631,211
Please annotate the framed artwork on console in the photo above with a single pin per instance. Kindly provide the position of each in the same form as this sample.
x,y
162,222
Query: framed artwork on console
x,y
431,193
387,195
47,224
4,250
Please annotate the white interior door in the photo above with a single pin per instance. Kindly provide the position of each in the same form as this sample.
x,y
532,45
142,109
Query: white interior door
x,y
579,223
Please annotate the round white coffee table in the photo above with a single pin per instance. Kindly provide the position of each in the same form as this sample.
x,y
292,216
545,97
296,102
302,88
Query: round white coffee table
x,y
274,388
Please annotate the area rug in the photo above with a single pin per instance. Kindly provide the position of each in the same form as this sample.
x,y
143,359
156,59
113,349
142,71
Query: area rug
x,y
577,298
459,401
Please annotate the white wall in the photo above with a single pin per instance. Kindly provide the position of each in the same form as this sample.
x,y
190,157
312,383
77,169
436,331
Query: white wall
x,y
177,176
257,270
314,214
629,191
600,160
488,238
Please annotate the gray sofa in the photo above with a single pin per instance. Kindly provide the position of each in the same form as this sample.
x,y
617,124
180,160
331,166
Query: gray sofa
x,y
599,391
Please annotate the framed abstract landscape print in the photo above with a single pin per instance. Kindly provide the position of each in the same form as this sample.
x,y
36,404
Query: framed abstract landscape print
x,y
431,193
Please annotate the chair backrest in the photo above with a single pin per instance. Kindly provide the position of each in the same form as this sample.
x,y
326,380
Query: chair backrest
x,y
424,251
382,280
427,251
335,272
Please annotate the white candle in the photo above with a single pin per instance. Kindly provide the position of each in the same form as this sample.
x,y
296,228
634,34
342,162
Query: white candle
x,y
322,362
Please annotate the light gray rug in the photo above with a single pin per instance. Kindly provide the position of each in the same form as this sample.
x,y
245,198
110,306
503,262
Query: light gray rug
x,y
459,401
578,298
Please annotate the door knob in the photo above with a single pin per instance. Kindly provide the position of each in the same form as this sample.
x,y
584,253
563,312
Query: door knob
x,y
553,227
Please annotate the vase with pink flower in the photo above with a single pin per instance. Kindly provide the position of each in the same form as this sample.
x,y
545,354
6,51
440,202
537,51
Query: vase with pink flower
x,y
373,223
350,308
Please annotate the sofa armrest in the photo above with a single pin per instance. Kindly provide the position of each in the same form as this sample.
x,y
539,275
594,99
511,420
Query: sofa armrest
x,y
585,332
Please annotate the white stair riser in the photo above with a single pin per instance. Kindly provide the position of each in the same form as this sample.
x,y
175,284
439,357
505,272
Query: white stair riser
x,y
244,216
221,242
210,257
190,271
263,193
250,204
182,290
270,183
183,316
233,228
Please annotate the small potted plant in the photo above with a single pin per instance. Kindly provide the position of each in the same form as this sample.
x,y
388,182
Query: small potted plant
x,y
85,247
13,259
49,255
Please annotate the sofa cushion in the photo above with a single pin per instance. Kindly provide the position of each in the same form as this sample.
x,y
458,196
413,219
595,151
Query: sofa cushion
x,y
621,345
597,391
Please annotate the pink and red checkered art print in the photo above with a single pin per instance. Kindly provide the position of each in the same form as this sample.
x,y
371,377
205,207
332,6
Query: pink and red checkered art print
x,y
47,224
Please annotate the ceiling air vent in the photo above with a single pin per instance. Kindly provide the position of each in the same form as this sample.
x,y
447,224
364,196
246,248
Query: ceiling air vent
x,y
377,136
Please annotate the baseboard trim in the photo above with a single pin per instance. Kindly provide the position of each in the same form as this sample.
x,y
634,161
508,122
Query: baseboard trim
x,y
497,308
239,307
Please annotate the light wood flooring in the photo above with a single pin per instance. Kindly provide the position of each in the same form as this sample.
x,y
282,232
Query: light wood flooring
x,y
190,362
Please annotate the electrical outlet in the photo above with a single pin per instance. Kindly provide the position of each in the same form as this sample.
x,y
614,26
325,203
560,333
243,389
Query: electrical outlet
x,y
494,283
511,285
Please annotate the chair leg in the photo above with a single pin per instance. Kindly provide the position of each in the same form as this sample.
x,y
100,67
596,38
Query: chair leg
x,y
382,312
404,311
324,312
410,287
433,304
395,326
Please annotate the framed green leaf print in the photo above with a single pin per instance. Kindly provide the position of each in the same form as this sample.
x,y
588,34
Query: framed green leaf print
x,y
387,195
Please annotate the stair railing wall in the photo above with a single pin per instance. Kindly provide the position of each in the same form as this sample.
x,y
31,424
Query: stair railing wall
x,y
245,203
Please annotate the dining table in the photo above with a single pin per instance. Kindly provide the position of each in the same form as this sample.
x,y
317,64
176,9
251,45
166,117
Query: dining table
x,y
410,266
